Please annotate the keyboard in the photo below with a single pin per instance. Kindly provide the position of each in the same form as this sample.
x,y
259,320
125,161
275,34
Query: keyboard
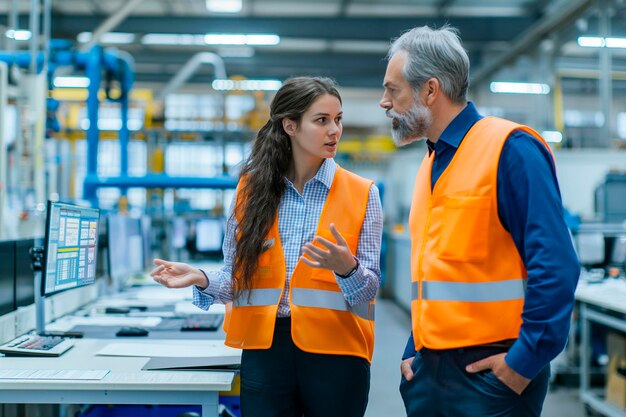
x,y
202,322
35,345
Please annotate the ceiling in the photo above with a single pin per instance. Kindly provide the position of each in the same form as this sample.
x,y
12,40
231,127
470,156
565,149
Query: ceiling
x,y
343,39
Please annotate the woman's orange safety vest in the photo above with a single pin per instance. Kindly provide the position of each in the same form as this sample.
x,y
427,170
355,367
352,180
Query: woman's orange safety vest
x,y
468,279
322,321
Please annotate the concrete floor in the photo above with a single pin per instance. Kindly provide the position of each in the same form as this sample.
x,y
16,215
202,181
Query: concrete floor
x,y
392,329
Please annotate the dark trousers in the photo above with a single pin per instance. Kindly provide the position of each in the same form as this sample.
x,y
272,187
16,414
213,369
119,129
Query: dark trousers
x,y
442,388
285,381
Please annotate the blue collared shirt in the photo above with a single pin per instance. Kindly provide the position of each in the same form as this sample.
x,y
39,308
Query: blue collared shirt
x,y
530,208
298,215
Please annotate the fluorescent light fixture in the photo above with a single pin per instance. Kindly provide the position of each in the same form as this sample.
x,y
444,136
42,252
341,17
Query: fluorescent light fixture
x,y
519,88
240,39
599,42
71,82
172,39
248,85
616,42
210,39
553,136
18,35
224,6
591,42
119,38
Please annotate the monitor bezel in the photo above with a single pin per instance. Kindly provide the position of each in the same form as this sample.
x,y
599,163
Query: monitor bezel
x,y
46,245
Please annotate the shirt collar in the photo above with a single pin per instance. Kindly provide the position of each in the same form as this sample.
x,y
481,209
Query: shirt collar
x,y
325,174
458,128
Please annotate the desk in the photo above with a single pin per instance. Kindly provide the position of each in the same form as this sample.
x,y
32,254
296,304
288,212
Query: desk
x,y
125,384
597,302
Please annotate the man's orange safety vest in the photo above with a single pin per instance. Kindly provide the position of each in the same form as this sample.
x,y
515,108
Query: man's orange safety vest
x,y
322,321
468,279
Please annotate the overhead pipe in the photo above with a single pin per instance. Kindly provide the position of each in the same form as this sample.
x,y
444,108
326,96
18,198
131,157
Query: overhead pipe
x,y
190,68
530,39
112,22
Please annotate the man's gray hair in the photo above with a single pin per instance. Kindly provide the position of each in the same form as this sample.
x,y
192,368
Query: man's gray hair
x,y
435,53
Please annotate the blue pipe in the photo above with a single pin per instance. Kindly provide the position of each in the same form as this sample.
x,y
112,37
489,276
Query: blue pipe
x,y
161,181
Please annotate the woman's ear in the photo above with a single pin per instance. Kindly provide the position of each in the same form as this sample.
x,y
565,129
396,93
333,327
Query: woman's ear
x,y
290,126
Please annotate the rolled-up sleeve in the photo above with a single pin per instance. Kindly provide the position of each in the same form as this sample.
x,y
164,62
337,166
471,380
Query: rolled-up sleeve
x,y
219,289
362,285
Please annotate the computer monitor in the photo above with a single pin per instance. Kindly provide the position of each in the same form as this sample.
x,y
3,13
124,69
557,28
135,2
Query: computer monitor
x,y
24,273
7,280
209,235
135,242
618,254
70,247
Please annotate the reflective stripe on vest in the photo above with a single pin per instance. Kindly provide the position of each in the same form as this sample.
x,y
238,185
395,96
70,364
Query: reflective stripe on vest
x,y
471,292
258,297
306,297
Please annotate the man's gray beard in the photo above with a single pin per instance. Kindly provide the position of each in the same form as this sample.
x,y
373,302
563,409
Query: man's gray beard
x,y
410,126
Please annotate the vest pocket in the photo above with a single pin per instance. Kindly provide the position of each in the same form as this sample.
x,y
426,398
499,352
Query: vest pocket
x,y
465,228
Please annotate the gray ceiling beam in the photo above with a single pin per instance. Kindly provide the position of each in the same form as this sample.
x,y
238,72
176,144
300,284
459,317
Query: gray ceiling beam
x,y
443,5
351,62
531,37
473,29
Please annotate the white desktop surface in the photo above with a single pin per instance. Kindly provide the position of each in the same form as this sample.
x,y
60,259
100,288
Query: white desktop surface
x,y
609,294
125,384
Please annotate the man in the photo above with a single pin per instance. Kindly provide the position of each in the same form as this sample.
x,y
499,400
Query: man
x,y
493,267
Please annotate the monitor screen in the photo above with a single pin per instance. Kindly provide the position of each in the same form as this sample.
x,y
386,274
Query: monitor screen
x,y
24,273
209,235
618,254
7,273
70,247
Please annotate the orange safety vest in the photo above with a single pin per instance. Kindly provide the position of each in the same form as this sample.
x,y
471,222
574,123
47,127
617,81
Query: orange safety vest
x,y
468,279
322,321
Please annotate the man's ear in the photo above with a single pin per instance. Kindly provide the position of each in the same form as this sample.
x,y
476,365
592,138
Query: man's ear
x,y
432,88
290,126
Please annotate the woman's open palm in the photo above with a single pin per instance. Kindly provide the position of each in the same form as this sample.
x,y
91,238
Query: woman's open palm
x,y
177,274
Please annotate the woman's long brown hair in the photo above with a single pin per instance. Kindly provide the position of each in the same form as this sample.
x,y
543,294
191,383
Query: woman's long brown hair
x,y
264,171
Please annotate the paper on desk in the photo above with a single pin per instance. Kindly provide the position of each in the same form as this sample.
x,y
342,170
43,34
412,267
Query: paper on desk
x,y
116,321
75,374
181,349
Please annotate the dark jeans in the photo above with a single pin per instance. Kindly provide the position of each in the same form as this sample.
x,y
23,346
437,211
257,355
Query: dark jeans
x,y
285,381
442,388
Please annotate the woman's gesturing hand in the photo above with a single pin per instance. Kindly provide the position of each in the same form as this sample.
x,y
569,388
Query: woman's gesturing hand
x,y
177,275
337,258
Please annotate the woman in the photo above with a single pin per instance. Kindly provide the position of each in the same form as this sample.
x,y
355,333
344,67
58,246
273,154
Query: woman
x,y
301,264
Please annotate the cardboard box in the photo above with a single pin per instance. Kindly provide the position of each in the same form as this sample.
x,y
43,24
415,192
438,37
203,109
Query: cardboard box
x,y
616,371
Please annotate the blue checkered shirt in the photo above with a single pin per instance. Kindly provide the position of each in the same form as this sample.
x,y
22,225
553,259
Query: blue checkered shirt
x,y
298,215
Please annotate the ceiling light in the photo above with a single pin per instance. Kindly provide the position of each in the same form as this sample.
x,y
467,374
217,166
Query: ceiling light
x,y
553,136
240,39
119,38
71,82
172,39
599,42
247,85
224,6
519,88
210,39
18,35
616,42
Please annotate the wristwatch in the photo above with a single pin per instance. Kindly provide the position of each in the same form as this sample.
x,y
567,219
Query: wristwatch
x,y
352,271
